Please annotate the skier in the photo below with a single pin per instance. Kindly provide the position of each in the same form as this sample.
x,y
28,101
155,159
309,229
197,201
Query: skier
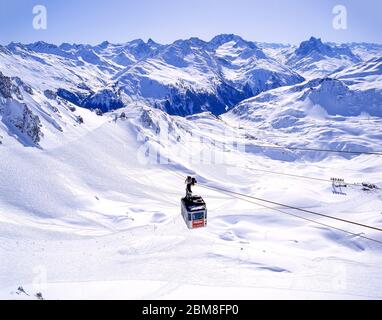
x,y
189,182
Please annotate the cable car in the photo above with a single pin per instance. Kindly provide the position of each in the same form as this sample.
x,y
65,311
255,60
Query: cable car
x,y
194,212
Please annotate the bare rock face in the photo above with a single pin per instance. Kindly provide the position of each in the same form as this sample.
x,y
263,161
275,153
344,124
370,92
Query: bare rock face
x,y
24,122
147,120
5,87
30,125
17,116
27,88
50,94
79,120
8,89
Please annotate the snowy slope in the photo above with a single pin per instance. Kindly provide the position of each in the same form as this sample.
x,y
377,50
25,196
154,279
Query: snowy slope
x,y
363,76
31,116
48,70
321,113
366,51
88,215
277,51
97,223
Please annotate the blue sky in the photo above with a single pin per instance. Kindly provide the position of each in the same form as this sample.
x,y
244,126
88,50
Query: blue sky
x,y
92,21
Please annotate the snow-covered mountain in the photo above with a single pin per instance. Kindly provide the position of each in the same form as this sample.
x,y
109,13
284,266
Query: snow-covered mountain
x,y
248,67
339,113
34,118
314,59
182,78
366,51
185,77
364,75
192,76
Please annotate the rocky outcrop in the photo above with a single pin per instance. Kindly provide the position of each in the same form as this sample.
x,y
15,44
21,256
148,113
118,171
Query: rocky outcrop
x,y
21,118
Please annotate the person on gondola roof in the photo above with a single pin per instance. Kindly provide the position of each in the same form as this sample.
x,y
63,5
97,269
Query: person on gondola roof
x,y
189,183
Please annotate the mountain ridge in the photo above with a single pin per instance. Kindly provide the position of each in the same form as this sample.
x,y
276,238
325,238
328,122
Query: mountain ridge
x,y
182,78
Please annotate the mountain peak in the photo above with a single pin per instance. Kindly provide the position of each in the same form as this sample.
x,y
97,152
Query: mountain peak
x,y
151,42
39,45
224,38
187,45
104,44
137,42
315,40
14,45
66,46
239,41
313,45
197,41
